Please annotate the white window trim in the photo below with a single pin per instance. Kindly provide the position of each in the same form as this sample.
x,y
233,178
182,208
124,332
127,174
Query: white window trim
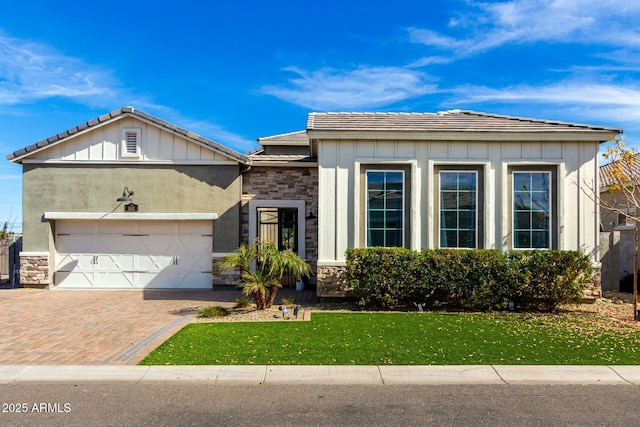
x,y
123,143
296,204
414,208
505,198
477,225
489,217
366,203
513,217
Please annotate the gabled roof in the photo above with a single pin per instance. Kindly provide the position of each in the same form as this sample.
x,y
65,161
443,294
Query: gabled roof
x,y
257,157
291,138
445,121
16,156
288,140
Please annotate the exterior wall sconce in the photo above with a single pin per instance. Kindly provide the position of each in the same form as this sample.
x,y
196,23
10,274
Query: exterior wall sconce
x,y
126,196
311,216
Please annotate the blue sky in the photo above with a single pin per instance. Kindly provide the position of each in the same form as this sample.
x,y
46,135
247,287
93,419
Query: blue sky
x,y
234,72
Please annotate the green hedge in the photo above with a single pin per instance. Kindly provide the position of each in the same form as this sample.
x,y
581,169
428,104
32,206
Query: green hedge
x,y
466,279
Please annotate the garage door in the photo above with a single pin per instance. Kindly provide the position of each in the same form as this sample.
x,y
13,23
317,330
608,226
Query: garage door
x,y
133,254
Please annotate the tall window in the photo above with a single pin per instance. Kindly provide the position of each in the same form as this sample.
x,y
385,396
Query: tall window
x,y
279,225
532,214
385,208
458,209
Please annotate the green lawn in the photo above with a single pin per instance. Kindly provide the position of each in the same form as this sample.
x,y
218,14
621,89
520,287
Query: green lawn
x,y
406,339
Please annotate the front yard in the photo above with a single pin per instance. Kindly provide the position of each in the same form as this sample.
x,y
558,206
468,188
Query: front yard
x,y
435,338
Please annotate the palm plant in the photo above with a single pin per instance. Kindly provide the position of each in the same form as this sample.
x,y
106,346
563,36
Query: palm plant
x,y
261,267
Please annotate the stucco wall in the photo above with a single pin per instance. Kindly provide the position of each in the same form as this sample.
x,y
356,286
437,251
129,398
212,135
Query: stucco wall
x,y
157,188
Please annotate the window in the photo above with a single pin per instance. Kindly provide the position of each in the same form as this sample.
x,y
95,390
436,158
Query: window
x,y
624,220
385,208
532,209
130,146
458,209
280,226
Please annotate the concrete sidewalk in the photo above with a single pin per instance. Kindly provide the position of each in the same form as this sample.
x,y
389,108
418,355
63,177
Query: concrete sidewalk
x,y
364,375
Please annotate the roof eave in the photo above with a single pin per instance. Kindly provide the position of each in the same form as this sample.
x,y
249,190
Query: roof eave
x,y
474,134
285,163
47,143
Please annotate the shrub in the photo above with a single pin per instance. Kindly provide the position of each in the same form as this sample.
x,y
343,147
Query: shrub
x,y
382,277
289,302
215,311
466,279
242,302
554,277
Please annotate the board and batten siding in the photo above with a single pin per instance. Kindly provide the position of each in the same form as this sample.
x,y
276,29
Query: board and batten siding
x,y
339,162
104,144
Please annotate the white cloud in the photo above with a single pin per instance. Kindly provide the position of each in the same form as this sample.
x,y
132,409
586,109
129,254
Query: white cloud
x,y
30,72
586,101
570,92
364,87
218,134
607,22
206,128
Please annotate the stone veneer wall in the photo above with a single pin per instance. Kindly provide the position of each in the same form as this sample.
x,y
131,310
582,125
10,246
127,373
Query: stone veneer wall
x,y
34,270
285,183
223,277
332,282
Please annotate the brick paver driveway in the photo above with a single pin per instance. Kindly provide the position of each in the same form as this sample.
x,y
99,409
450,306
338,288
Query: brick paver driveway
x,y
90,327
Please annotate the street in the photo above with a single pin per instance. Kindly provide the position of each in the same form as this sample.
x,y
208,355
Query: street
x,y
188,404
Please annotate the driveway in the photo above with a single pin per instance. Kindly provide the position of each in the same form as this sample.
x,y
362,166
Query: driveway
x,y
91,327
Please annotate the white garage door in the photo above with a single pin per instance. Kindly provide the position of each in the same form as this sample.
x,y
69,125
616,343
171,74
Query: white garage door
x,y
133,254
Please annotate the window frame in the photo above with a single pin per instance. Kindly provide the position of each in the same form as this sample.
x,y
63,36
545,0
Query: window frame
x,y
552,171
364,202
622,220
280,225
479,204
254,204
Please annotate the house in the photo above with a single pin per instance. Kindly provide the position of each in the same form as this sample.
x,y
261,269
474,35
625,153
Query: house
x,y
185,209
617,210
456,179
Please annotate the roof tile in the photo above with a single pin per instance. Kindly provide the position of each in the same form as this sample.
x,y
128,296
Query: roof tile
x,y
453,120
631,170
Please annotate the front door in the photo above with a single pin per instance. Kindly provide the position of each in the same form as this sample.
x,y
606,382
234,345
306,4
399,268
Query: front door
x,y
280,226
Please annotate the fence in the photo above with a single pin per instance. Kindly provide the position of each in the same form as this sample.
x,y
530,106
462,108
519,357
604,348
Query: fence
x,y
10,259
616,256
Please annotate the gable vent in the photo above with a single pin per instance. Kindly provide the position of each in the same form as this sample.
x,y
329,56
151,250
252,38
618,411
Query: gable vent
x,y
132,143
130,146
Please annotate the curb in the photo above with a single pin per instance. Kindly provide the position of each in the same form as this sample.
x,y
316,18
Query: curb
x,y
325,375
